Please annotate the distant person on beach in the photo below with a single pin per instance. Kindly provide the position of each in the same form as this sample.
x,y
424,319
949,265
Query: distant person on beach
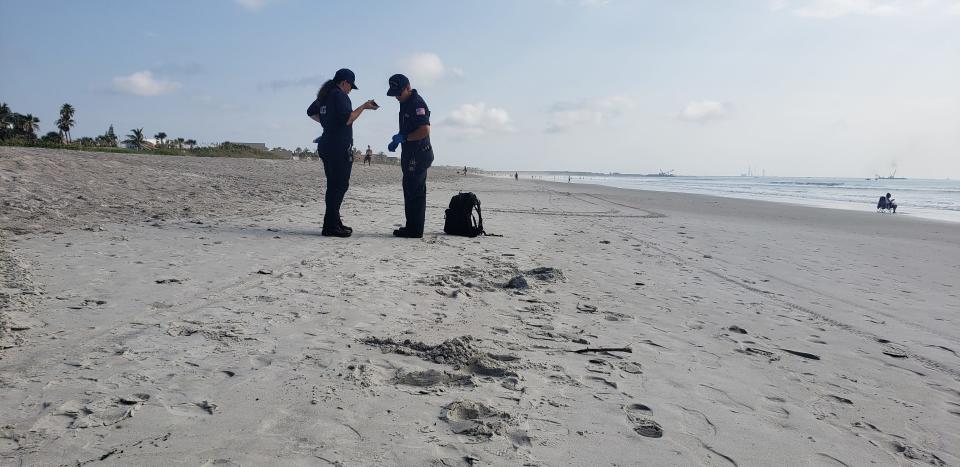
x,y
334,111
464,171
516,176
368,157
886,203
416,156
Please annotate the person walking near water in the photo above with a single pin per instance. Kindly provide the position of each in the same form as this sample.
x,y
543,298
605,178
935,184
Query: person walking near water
x,y
368,157
416,155
334,111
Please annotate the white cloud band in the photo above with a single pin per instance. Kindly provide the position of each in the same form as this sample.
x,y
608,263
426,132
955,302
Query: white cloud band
x,y
478,119
705,111
143,83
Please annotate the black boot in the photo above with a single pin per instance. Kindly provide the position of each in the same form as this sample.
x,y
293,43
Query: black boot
x,y
336,232
402,232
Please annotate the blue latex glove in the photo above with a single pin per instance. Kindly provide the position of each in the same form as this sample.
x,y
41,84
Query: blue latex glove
x,y
395,141
317,140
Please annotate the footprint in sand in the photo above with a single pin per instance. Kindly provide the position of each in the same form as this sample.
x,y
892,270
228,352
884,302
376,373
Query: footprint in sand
x,y
630,367
893,350
474,419
597,365
430,378
603,381
102,412
639,417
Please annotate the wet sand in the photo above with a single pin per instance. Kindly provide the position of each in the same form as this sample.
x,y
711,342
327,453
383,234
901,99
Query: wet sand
x,y
184,311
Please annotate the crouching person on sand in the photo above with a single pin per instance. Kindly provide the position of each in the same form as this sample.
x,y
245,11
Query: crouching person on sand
x,y
416,155
333,110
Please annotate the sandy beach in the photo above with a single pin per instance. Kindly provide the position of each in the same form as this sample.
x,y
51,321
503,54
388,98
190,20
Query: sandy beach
x,y
185,311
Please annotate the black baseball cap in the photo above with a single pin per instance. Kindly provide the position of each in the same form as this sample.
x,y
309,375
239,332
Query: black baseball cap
x,y
344,74
397,83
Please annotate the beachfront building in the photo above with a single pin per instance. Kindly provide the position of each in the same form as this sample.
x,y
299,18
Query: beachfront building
x,y
148,143
381,158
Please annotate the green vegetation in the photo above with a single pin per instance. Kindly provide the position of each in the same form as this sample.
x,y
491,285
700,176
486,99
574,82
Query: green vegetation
x,y
21,130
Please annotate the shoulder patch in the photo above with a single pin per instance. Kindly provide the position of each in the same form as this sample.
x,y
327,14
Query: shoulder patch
x,y
421,111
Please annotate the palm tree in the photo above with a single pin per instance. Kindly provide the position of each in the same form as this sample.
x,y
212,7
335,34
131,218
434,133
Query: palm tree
x,y
135,138
160,137
65,122
30,124
191,143
180,142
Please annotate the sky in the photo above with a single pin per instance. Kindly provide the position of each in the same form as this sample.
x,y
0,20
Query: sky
x,y
703,87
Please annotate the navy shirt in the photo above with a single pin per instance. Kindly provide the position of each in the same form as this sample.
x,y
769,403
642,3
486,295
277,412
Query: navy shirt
x,y
334,112
414,113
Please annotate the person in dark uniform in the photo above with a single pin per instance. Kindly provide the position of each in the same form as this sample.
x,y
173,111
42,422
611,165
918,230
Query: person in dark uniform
x,y
416,155
333,110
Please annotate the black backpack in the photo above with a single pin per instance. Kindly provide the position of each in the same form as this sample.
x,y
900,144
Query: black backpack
x,y
459,216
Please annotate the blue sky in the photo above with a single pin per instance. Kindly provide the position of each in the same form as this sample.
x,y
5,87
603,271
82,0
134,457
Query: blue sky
x,y
794,87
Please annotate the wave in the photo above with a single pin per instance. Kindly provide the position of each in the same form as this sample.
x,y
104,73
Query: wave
x,y
809,183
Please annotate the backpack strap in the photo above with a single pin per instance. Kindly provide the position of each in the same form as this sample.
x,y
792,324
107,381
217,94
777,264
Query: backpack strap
x,y
479,218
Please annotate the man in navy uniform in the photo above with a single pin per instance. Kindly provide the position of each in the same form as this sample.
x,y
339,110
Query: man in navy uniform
x,y
416,155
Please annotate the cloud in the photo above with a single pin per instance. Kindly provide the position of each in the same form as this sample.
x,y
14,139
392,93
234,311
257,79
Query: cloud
x,y
832,9
565,116
705,111
478,119
143,83
307,81
594,2
427,68
252,5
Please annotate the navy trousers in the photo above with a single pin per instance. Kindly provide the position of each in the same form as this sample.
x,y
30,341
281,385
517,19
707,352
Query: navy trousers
x,y
415,158
337,165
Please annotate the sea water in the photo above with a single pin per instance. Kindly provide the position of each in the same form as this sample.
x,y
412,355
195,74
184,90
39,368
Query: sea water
x,y
934,199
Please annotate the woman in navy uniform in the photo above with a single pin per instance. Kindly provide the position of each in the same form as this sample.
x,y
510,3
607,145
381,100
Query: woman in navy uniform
x,y
416,155
333,110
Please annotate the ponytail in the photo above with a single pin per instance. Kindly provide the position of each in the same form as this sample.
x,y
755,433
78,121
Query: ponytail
x,y
322,93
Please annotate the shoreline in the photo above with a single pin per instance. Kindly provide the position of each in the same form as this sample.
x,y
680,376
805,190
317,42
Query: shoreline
x,y
916,213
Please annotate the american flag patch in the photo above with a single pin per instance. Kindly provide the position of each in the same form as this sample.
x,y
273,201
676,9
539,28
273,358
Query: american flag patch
x,y
421,111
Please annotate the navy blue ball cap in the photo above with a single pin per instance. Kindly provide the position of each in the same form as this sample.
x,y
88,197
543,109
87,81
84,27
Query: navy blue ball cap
x,y
344,74
397,83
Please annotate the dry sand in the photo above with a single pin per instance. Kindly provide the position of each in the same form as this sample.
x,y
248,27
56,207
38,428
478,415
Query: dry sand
x,y
182,311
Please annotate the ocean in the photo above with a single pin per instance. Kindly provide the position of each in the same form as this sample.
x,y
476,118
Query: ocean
x,y
932,199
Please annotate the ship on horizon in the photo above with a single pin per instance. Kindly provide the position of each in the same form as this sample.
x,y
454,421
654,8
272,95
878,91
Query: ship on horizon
x,y
892,176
